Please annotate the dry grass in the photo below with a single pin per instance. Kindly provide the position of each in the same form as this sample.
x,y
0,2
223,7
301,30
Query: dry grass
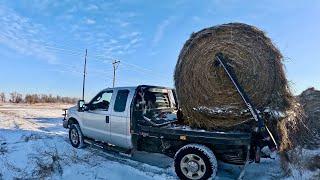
x,y
31,137
47,164
310,100
3,150
293,130
300,136
297,162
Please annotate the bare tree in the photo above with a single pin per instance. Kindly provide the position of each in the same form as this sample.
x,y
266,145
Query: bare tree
x,y
15,97
42,98
39,98
2,97
29,98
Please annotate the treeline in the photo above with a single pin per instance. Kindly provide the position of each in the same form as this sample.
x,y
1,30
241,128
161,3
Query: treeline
x,y
15,97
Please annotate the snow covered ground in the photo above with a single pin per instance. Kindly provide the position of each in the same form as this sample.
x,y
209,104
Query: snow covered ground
x,y
33,144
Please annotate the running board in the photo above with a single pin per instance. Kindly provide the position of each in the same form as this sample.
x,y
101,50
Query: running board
x,y
109,147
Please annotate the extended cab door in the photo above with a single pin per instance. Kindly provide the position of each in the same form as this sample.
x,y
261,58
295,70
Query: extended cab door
x,y
120,118
96,121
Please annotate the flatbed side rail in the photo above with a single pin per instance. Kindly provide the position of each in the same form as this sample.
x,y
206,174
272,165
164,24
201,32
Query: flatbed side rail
x,y
211,137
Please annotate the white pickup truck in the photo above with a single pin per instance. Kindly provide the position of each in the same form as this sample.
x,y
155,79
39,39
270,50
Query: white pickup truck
x,y
146,118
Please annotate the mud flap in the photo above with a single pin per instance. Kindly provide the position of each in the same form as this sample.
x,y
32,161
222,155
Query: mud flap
x,y
243,168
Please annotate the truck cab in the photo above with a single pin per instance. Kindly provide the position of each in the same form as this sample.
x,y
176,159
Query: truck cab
x,y
107,117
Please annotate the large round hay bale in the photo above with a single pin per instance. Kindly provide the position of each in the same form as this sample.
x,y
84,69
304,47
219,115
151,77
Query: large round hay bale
x,y
206,95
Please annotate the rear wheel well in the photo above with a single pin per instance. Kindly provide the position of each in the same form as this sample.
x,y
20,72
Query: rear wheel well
x,y
183,143
171,147
72,121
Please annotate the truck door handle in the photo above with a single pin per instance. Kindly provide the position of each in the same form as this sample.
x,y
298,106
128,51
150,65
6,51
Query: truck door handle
x,y
107,119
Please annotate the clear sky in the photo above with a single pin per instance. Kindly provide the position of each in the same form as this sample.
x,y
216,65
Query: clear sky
x,y
42,42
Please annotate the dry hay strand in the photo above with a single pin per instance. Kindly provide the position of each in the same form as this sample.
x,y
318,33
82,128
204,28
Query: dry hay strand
x,y
293,130
301,163
298,134
310,100
206,95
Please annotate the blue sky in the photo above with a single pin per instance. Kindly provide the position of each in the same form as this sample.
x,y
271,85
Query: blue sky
x,y
42,42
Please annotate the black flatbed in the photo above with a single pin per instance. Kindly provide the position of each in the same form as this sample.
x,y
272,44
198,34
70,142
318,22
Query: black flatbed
x,y
200,136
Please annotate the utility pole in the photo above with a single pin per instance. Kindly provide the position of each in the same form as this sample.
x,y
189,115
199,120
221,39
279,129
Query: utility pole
x,y
115,65
84,73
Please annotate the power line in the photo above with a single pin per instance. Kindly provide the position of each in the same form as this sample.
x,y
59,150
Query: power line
x,y
68,51
74,52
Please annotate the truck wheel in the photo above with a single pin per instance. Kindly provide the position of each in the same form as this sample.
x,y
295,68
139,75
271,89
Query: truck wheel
x,y
195,161
75,136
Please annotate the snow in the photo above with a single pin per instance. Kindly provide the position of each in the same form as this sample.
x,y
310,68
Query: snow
x,y
305,164
214,110
33,144
275,113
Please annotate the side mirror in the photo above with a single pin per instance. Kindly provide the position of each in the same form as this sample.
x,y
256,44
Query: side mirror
x,y
81,105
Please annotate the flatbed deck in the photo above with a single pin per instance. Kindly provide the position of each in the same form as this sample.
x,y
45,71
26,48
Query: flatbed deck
x,y
201,136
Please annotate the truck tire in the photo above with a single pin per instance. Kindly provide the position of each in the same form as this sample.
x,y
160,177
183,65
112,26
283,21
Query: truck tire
x,y
75,136
195,161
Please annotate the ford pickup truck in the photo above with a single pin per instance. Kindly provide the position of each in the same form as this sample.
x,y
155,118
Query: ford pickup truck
x,y
146,118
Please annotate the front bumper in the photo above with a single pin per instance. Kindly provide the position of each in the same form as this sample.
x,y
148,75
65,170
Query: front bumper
x,y
65,123
65,120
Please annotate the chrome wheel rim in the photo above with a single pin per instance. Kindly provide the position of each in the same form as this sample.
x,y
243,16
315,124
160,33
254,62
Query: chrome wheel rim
x,y
74,136
193,166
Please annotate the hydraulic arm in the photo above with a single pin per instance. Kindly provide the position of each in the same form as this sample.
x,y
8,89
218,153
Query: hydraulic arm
x,y
263,131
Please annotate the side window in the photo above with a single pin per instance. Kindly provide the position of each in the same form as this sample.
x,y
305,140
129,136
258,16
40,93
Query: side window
x,y
102,101
121,100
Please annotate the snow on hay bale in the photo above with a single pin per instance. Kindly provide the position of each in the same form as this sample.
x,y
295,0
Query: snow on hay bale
x,y
206,95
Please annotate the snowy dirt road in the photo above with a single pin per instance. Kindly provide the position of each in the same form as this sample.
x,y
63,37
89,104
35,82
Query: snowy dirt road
x,y
33,144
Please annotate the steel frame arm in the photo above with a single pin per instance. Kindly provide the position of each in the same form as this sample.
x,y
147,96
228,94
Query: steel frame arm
x,y
223,61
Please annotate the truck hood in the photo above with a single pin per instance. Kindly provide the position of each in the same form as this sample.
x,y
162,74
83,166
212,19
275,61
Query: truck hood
x,y
72,109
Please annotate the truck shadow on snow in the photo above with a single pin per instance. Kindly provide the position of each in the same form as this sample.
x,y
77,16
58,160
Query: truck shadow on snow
x,y
53,125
